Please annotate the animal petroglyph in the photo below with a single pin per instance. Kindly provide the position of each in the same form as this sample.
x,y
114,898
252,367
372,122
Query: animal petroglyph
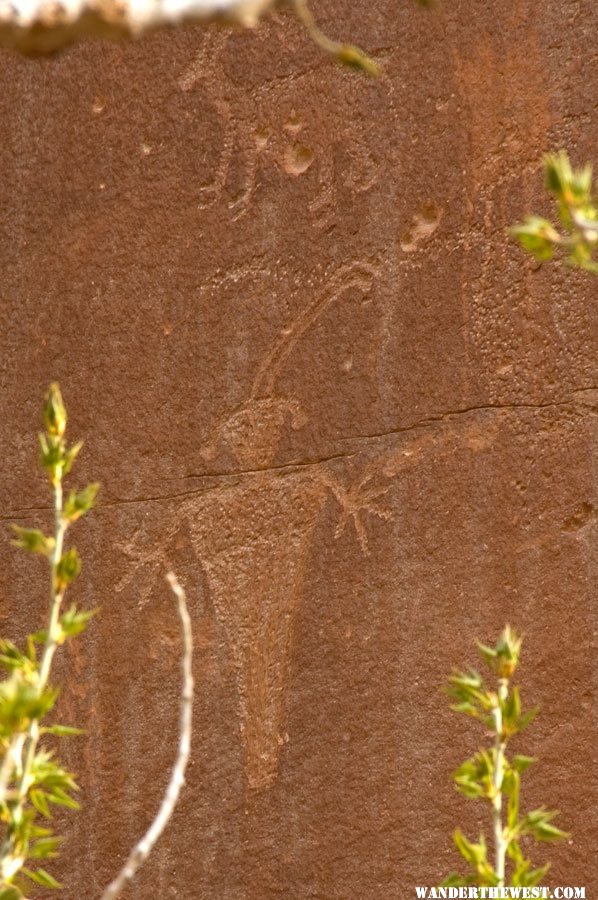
x,y
297,159
280,137
363,495
252,432
253,538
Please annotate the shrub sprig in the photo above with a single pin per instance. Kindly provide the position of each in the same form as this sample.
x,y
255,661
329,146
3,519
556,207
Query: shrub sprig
x,y
577,210
32,780
494,777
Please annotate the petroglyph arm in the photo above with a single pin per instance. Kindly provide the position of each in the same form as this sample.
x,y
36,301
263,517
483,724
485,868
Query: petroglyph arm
x,y
364,493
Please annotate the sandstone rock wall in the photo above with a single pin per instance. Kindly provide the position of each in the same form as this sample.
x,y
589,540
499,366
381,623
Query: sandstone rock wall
x,y
314,376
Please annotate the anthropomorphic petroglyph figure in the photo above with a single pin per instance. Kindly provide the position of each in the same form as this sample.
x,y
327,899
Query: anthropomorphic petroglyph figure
x,y
253,535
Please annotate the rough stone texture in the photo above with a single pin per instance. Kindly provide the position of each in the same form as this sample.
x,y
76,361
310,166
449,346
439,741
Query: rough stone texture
x,y
314,375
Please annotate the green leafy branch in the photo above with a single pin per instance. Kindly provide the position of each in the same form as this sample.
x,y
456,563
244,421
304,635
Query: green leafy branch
x,y
32,781
577,236
492,776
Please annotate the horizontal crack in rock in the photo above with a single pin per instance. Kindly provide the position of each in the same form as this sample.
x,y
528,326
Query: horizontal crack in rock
x,y
291,467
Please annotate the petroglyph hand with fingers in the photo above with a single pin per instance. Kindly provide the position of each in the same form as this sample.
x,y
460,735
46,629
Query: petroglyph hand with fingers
x,y
360,497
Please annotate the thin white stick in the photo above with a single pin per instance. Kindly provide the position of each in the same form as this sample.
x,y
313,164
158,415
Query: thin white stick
x,y
143,848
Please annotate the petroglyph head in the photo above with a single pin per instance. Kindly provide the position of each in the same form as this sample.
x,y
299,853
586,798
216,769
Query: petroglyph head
x,y
253,431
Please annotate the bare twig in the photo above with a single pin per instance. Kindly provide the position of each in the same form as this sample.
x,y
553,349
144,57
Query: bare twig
x,y
305,15
348,54
143,848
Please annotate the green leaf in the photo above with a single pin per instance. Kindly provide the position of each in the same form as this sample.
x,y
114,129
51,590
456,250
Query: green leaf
x,y
526,718
49,773
511,707
40,802
54,413
464,846
352,56
537,236
514,721
77,504
21,702
572,189
45,847
538,823
33,540
11,893
514,851
52,456
521,763
38,637
468,708
12,658
547,832
488,653
474,854
67,569
536,876
520,875
525,876
469,680
62,730
40,876
61,798
583,182
469,788
557,172
474,778
70,456
469,692
511,785
507,650
74,621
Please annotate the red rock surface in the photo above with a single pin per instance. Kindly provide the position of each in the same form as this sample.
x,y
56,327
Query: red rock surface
x,y
314,376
